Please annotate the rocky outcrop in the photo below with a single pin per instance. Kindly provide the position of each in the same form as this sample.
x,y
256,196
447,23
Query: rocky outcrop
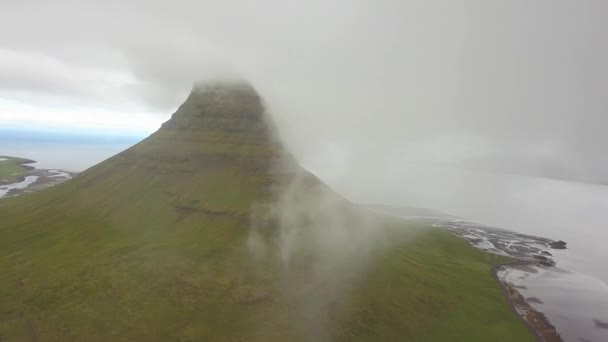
x,y
232,107
220,125
558,244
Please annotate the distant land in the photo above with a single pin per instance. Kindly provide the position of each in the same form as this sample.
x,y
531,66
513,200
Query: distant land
x,y
526,167
19,176
62,149
14,135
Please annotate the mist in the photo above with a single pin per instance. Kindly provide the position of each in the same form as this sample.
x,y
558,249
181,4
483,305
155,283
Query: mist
x,y
515,87
395,102
493,111
321,246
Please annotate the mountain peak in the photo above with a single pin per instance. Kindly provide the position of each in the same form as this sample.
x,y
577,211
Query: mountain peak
x,y
221,124
225,85
230,105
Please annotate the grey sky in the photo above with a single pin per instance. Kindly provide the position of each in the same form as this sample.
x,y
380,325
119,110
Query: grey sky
x,y
356,87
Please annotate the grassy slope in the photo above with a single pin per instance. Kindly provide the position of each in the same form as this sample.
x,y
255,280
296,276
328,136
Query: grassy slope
x,y
10,169
434,288
147,274
150,245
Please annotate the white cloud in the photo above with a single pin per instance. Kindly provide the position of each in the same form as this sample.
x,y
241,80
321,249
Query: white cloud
x,y
83,119
376,76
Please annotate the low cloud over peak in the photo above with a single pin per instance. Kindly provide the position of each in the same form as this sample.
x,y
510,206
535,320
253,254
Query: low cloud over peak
x,y
351,84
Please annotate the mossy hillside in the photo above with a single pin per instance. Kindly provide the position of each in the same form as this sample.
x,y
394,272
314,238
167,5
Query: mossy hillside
x,y
152,245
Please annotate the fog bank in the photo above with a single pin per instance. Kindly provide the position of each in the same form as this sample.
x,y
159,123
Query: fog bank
x,y
512,86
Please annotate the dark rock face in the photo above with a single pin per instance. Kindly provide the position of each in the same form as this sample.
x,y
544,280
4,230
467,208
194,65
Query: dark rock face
x,y
220,144
544,260
601,324
558,244
219,124
231,107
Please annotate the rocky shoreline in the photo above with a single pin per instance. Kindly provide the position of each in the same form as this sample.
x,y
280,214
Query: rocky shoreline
x,y
550,286
529,252
537,322
527,255
33,179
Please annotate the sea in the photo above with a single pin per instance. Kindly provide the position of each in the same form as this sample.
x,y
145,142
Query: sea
x,y
71,151
573,295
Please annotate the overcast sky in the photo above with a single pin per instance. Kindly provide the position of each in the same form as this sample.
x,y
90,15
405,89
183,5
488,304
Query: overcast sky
x,y
519,86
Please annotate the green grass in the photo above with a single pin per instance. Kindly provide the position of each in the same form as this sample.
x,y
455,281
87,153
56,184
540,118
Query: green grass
x,y
150,245
11,169
135,268
434,288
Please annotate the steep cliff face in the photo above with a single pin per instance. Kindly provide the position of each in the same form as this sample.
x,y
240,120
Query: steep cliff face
x,y
234,107
217,153
156,236
220,122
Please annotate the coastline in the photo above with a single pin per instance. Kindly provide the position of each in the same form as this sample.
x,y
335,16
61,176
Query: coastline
x,y
32,179
536,321
23,162
528,254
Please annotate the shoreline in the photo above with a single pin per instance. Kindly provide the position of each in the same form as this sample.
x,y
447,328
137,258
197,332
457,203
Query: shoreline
x,y
39,179
23,163
527,253
558,291
538,324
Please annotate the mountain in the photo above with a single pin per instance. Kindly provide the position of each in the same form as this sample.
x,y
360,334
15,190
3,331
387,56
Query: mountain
x,y
209,231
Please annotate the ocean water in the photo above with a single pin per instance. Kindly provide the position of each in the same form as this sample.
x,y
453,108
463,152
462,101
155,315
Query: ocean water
x,y
574,294
73,157
29,180
560,210
68,150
